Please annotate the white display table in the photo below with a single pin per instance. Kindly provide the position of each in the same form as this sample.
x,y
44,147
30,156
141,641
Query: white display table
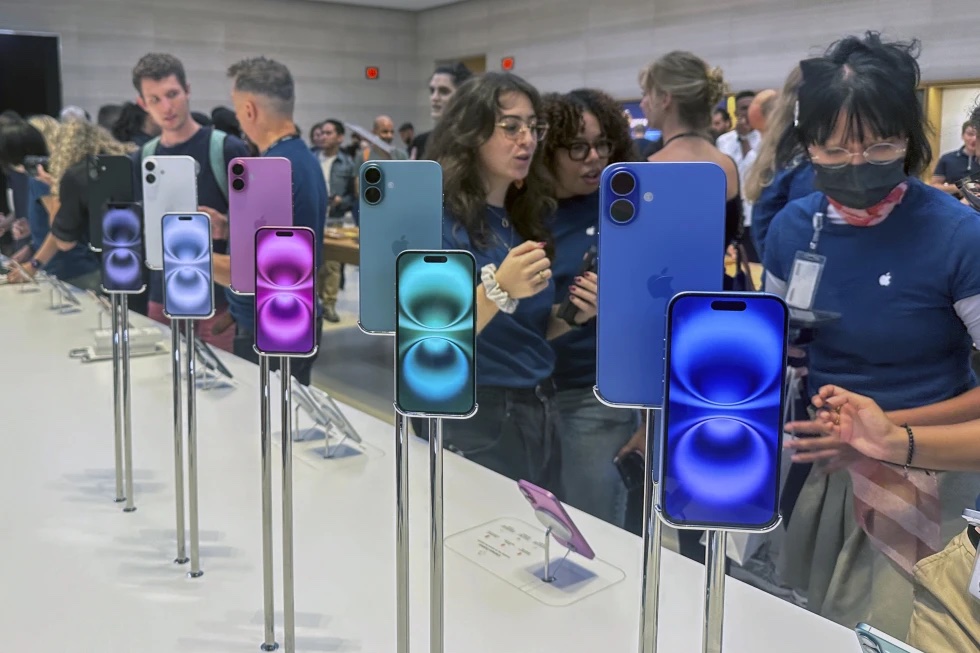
x,y
80,575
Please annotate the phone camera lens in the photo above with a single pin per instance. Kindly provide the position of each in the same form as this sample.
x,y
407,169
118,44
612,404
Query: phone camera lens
x,y
150,179
372,176
372,195
238,184
237,169
623,183
150,166
622,211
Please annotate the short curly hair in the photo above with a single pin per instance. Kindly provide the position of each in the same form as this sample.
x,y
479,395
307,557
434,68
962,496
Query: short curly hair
x,y
563,112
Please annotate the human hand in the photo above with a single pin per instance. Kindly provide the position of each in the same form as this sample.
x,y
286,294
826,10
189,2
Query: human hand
x,y
336,201
20,229
584,295
219,222
637,442
525,271
45,176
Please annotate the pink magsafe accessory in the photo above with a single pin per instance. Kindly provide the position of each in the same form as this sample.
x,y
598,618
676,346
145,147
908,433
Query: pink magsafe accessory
x,y
260,194
551,514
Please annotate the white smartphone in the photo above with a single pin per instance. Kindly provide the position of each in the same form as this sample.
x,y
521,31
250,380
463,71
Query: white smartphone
x,y
169,186
972,518
873,640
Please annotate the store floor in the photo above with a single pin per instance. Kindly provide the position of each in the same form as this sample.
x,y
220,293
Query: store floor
x,y
354,367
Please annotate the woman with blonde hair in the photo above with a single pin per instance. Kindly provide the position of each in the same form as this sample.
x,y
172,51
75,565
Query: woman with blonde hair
x,y
66,201
781,173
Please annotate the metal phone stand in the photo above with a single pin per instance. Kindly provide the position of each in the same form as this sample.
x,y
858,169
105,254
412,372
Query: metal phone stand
x,y
436,531
551,525
122,401
714,591
62,299
190,360
327,419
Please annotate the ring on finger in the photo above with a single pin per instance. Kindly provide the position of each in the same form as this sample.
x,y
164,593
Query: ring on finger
x,y
541,274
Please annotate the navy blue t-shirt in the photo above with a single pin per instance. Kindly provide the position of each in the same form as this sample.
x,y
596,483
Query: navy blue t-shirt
x,y
899,339
309,210
209,193
791,183
574,227
512,351
68,265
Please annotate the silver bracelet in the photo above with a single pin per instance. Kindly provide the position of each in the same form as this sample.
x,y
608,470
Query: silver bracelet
x,y
496,294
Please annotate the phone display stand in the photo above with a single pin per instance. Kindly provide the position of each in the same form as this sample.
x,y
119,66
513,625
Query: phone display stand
x,y
329,423
192,501
62,299
121,401
714,591
32,284
519,553
652,535
209,375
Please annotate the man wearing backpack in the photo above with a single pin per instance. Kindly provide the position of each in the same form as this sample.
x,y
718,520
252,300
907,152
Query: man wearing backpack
x,y
163,92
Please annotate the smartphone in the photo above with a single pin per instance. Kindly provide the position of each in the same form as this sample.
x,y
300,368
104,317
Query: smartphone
x,y
551,514
188,279
720,453
631,468
110,180
972,518
661,232
873,640
566,309
401,208
285,297
260,194
122,249
32,162
169,186
435,336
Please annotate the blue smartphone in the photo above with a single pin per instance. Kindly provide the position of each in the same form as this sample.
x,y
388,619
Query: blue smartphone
x,y
720,453
122,249
435,337
401,208
661,232
188,287
873,640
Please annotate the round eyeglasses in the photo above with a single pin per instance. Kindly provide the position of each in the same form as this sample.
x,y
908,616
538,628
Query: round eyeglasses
x,y
579,150
878,154
513,127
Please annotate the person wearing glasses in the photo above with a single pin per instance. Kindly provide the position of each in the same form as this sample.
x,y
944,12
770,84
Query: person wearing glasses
x,y
497,198
901,265
587,131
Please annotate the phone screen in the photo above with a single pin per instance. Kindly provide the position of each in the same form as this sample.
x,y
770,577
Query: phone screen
x,y
435,335
285,304
122,249
187,281
726,357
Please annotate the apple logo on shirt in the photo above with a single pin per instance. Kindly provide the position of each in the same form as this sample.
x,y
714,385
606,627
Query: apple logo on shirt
x,y
885,279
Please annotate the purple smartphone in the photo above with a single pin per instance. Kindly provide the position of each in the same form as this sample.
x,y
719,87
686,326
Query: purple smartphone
x,y
260,194
285,297
551,514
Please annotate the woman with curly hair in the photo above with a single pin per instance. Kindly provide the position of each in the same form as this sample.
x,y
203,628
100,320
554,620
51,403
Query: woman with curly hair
x,y
497,198
67,179
587,131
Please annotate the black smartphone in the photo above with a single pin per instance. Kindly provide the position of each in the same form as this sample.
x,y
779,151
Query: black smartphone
x,y
110,180
631,467
567,310
32,162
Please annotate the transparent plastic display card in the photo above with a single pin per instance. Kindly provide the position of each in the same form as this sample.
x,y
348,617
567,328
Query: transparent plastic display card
x,y
514,551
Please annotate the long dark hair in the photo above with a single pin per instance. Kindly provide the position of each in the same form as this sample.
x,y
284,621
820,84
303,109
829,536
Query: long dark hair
x,y
564,111
468,122
874,84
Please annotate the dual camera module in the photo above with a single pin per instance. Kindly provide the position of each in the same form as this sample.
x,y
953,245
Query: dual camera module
x,y
372,188
622,184
238,178
150,167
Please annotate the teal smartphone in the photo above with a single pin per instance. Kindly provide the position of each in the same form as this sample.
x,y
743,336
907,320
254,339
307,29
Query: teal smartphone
x,y
435,337
400,209
873,640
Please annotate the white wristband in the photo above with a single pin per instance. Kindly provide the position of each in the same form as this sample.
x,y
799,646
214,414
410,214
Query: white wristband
x,y
495,293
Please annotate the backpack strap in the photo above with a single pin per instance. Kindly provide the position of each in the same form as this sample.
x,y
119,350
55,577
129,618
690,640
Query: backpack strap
x,y
149,148
216,153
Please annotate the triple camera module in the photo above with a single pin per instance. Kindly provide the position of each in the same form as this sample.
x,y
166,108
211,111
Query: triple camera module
x,y
372,180
238,180
622,184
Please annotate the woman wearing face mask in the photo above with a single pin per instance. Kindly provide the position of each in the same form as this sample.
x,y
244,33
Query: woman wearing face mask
x,y
497,199
901,264
586,132
444,82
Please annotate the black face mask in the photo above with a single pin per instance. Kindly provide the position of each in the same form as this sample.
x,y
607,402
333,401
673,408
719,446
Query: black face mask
x,y
860,186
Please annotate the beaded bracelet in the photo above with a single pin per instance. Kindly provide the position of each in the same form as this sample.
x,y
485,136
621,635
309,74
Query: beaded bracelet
x,y
908,459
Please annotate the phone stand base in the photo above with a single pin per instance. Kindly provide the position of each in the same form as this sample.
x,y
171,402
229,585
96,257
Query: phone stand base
x,y
512,550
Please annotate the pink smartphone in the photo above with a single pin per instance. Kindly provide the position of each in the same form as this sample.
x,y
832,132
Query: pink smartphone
x,y
551,514
285,294
260,194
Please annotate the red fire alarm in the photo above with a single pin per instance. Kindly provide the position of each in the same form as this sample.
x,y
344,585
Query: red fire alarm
x,y
372,72
507,63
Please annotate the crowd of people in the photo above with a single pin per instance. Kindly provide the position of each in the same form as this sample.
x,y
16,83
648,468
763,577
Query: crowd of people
x,y
828,165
